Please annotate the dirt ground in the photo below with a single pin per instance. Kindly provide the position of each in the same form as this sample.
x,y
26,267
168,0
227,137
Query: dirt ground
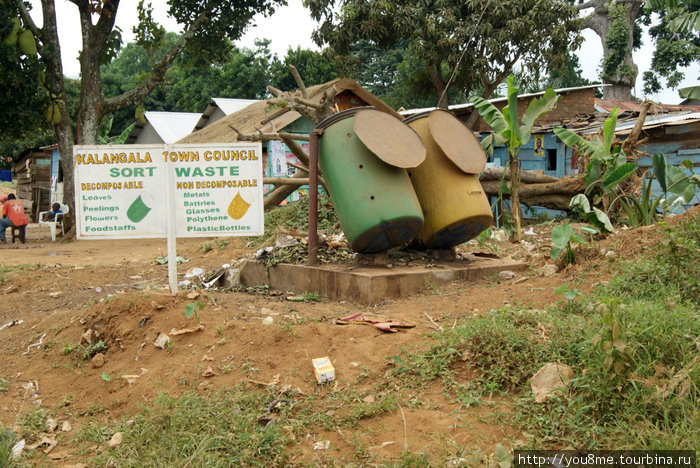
x,y
116,288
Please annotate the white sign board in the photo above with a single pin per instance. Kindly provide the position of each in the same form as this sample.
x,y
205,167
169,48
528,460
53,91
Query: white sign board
x,y
130,191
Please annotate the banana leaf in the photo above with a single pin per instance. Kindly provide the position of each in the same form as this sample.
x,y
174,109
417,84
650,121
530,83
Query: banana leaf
x,y
492,116
510,113
658,162
618,176
536,109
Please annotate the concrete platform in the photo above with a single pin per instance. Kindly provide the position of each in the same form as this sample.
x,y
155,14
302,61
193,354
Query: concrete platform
x,y
369,285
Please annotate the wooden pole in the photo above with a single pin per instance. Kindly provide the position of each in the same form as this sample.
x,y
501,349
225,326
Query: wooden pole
x,y
313,198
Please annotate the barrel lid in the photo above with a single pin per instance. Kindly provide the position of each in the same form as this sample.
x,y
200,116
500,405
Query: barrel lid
x,y
457,142
389,138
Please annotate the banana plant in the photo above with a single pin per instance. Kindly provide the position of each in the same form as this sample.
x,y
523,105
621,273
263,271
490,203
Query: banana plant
x,y
685,20
507,131
608,166
676,187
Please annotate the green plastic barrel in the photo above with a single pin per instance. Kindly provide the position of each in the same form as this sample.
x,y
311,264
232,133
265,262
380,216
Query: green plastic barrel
x,y
454,204
374,200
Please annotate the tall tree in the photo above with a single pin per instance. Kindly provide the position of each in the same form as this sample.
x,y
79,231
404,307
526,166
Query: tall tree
x,y
472,44
616,23
21,96
209,25
313,66
394,74
677,42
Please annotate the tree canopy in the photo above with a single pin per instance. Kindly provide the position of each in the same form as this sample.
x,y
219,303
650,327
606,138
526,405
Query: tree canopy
x,y
209,28
677,42
471,45
21,96
619,26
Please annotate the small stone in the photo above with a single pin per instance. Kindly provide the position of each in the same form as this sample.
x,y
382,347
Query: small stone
x,y
520,280
193,295
66,427
116,439
98,360
550,270
551,377
162,341
355,364
369,399
609,254
268,320
51,425
506,275
208,373
88,336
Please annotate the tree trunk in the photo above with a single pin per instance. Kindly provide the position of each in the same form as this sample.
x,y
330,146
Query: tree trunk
x,y
439,83
624,79
50,51
554,195
528,177
515,198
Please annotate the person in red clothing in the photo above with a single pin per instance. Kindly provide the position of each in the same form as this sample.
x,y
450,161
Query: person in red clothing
x,y
12,215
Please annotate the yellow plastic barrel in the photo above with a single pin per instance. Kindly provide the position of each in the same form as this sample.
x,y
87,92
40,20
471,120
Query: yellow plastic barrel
x,y
363,154
455,207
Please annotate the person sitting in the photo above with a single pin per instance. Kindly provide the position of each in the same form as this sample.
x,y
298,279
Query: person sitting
x,y
12,215
55,210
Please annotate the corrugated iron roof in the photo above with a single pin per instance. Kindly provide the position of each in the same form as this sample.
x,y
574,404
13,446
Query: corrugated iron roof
x,y
607,105
456,107
170,126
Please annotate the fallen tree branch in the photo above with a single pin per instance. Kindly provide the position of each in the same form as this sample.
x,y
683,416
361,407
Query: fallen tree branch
x,y
300,82
285,181
294,147
528,177
275,197
553,195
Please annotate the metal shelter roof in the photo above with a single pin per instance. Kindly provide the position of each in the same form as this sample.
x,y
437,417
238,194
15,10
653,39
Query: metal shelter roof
x,y
170,126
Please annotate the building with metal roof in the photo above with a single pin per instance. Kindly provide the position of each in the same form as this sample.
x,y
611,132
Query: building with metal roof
x,y
163,127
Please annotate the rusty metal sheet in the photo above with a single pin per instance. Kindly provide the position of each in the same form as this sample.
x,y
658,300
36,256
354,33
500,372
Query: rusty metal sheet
x,y
388,138
457,142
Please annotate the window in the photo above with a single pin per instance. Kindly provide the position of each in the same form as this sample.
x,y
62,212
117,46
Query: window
x,y
551,160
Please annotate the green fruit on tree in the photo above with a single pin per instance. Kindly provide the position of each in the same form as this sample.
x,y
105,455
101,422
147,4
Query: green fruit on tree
x,y
56,114
49,113
140,117
27,43
11,38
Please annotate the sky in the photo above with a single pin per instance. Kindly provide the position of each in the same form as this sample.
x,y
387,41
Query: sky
x,y
291,26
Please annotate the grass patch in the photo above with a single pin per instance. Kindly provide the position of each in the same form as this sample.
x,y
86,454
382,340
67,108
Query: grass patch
x,y
220,429
7,441
633,346
672,273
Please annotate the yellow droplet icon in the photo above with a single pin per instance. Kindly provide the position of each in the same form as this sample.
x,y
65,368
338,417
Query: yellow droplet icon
x,y
238,207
